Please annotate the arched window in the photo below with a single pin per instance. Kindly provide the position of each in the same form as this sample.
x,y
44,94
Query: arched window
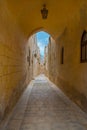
x,y
84,47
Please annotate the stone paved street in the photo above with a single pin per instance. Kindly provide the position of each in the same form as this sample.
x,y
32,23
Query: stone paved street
x,y
44,107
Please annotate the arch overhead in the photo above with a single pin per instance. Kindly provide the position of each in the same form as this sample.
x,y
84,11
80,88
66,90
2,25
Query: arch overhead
x,y
40,29
28,15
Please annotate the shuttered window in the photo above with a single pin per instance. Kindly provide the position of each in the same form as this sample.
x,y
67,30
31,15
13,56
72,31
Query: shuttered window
x,y
84,47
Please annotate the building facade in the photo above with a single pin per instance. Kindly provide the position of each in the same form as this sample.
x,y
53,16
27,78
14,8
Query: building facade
x,y
33,58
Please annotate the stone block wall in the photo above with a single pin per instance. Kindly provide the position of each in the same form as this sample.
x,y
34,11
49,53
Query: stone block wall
x,y
33,55
12,61
71,76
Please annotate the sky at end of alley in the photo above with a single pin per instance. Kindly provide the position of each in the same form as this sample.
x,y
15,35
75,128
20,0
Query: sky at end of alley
x,y
42,41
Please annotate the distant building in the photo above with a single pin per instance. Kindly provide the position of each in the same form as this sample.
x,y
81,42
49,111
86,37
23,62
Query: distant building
x,y
33,57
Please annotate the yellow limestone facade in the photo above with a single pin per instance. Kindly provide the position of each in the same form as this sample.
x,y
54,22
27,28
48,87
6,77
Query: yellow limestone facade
x,y
70,75
12,61
66,22
33,58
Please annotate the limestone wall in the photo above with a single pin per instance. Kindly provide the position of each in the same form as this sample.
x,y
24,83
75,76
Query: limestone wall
x,y
71,76
45,64
33,53
12,61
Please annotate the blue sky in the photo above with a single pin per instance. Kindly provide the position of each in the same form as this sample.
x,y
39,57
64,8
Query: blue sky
x,y
42,40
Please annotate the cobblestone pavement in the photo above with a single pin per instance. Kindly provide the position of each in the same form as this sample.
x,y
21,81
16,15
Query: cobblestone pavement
x,y
44,107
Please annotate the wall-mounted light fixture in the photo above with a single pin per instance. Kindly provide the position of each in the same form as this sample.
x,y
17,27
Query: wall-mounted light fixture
x,y
44,12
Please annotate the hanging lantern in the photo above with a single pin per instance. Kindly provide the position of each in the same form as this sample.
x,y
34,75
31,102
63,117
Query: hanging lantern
x,y
44,12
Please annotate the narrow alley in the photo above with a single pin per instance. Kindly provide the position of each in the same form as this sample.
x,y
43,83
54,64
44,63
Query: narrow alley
x,y
43,65
43,106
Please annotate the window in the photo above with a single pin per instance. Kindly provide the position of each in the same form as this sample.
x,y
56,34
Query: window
x,y
62,55
28,57
84,47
